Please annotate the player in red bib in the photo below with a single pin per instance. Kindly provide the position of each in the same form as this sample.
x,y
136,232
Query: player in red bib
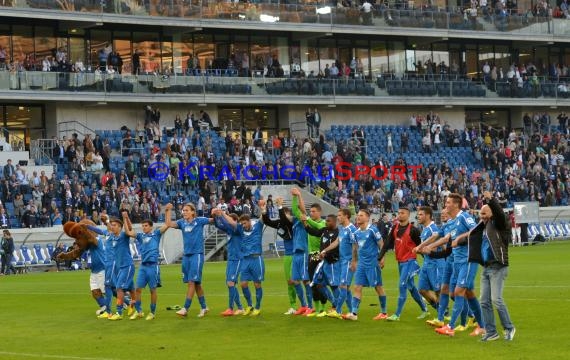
x,y
404,237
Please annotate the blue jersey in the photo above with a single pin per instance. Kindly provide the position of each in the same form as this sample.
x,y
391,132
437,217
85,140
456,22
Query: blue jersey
x,y
252,239
288,244
148,246
98,255
427,232
121,243
109,250
193,234
368,249
462,223
234,238
300,237
345,241
443,231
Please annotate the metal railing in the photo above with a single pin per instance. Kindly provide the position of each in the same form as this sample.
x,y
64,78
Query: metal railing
x,y
408,84
69,127
402,14
15,142
41,150
135,144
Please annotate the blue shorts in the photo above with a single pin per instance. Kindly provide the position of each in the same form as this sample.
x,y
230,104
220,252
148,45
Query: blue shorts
x,y
369,276
252,269
232,270
125,278
431,276
331,273
192,266
300,267
453,279
408,270
345,273
110,275
447,272
466,275
149,274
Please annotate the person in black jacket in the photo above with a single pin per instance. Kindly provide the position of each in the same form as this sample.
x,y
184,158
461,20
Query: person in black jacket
x,y
328,270
489,246
6,250
284,226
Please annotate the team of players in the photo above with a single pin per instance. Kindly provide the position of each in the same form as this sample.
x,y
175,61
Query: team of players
x,y
326,258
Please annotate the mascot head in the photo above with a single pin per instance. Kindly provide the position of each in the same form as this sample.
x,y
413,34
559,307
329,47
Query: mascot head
x,y
79,231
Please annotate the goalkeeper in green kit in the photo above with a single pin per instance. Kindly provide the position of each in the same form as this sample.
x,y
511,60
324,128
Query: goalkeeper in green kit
x,y
315,221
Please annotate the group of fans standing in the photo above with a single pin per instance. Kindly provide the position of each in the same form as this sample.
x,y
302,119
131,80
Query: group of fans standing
x,y
326,261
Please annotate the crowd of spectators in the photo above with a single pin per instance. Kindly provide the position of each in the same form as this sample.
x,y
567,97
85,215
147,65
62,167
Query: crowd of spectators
x,y
526,165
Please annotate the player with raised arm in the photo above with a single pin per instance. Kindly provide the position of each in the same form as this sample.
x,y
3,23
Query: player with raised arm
x,y
284,227
300,264
192,228
149,271
233,248
404,237
464,271
314,246
124,265
365,257
253,267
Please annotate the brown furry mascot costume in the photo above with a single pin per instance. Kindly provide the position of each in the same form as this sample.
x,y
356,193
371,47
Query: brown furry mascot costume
x,y
86,239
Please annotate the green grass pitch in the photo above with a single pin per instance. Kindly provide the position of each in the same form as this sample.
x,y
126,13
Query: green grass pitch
x,y
51,315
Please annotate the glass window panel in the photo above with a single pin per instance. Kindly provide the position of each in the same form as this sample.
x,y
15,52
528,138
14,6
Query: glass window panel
x,y
260,52
503,58
23,44
280,49
45,46
229,119
265,118
148,47
101,47
5,51
486,55
327,53
311,63
166,55
526,55
541,58
363,62
422,54
440,54
77,50
379,58
567,57
554,56
122,45
183,53
397,58
241,57
204,49
23,117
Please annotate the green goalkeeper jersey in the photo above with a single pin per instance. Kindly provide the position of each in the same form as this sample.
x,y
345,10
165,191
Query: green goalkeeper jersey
x,y
314,241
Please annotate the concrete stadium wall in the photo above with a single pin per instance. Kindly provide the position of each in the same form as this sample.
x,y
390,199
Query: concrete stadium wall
x,y
112,116
373,115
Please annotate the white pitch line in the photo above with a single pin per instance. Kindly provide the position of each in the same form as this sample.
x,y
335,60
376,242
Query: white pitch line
x,y
50,356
